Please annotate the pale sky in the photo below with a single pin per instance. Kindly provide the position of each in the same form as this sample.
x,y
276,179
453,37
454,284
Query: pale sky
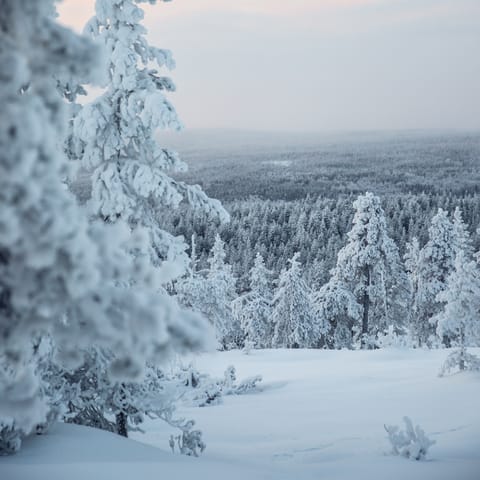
x,y
318,65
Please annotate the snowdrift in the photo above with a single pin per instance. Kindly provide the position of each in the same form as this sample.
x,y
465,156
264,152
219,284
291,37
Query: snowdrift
x,y
319,415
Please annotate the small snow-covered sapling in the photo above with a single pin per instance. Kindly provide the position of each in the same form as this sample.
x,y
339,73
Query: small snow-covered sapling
x,y
410,443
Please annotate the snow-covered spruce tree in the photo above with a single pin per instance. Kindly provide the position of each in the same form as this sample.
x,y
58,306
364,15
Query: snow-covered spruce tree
x,y
191,289
459,321
463,241
295,325
436,263
337,313
115,135
211,293
45,257
87,396
412,262
58,275
220,284
369,266
253,310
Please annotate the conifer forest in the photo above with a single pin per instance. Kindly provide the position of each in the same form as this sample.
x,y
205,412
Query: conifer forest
x,y
280,280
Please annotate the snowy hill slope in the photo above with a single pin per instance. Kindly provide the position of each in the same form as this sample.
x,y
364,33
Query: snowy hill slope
x,y
320,416
72,452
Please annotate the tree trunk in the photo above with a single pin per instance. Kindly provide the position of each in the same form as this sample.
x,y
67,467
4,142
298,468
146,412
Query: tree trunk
x,y
462,350
366,307
121,422
121,417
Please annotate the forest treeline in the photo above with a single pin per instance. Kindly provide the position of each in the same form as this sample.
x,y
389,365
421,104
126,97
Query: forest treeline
x,y
314,227
372,297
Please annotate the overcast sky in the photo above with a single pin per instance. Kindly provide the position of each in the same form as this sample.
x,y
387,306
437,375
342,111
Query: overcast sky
x,y
315,65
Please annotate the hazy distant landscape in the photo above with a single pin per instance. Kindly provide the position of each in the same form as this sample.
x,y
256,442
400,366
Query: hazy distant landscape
x,y
233,165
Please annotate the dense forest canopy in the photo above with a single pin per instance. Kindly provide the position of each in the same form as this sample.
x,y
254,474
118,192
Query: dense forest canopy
x,y
315,227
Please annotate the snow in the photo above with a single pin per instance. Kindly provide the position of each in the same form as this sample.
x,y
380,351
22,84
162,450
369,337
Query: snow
x,y
278,163
320,415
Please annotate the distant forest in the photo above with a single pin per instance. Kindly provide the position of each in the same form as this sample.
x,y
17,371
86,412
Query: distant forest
x,y
296,195
290,167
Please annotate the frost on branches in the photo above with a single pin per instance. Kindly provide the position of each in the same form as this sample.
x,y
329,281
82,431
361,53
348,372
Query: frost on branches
x,y
293,316
115,136
58,274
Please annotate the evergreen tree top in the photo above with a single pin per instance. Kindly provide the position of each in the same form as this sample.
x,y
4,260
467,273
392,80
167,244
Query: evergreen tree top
x,y
115,135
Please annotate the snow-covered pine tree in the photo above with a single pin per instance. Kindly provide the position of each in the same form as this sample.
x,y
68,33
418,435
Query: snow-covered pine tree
x,y
253,310
463,241
44,251
193,256
337,313
191,289
58,275
295,325
369,266
221,289
88,396
459,321
211,293
436,263
115,135
412,262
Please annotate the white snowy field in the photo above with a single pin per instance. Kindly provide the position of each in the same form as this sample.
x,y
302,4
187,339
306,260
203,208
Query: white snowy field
x,y
320,415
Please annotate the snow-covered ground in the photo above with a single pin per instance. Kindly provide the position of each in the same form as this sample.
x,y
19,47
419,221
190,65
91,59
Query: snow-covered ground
x,y
320,416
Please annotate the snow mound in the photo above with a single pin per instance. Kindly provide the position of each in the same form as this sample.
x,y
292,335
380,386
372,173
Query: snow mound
x,y
74,452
